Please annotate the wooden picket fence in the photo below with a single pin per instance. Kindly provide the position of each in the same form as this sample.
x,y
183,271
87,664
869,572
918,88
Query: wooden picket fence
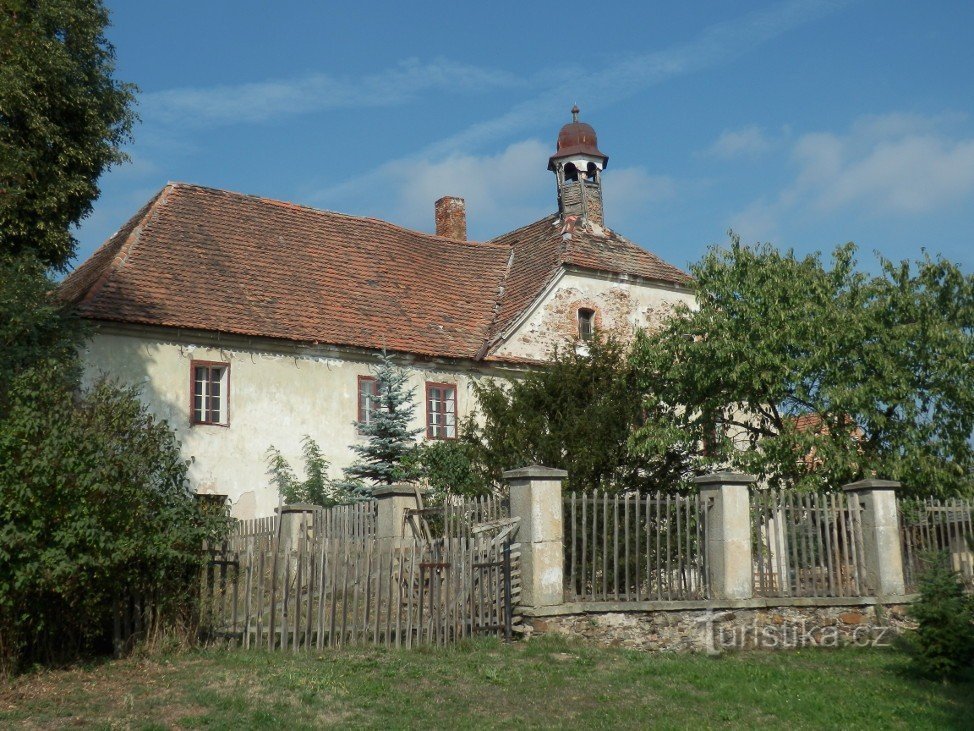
x,y
313,591
807,544
932,526
354,521
633,547
458,516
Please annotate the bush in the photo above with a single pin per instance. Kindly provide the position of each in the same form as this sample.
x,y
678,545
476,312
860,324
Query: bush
x,y
451,467
945,615
94,508
316,487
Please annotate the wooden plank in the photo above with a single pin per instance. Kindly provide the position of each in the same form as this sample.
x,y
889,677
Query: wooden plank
x,y
615,546
273,595
637,548
582,587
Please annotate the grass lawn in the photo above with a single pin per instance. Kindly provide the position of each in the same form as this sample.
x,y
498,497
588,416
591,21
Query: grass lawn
x,y
546,683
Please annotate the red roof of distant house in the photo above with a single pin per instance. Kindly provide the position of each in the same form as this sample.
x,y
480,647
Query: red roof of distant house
x,y
205,259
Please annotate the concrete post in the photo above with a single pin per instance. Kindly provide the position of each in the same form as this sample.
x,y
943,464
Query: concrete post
x,y
391,505
728,534
536,500
295,519
880,535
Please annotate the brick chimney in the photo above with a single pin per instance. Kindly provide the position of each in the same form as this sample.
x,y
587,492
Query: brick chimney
x,y
451,218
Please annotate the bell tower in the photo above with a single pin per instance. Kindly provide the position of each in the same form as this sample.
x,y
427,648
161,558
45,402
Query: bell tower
x,y
578,164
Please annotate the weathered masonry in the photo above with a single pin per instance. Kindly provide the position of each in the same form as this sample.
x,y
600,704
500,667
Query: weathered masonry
x,y
250,322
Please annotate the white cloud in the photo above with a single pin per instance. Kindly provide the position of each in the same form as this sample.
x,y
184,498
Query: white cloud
x,y
260,101
895,164
748,141
632,191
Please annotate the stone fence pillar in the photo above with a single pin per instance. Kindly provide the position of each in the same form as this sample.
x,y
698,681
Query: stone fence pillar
x,y
536,499
880,535
391,505
295,519
728,534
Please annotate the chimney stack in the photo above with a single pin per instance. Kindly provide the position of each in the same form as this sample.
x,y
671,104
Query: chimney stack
x,y
451,218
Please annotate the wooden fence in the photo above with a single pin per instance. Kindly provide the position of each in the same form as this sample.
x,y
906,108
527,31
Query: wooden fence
x,y
807,544
458,516
316,591
633,547
935,526
355,521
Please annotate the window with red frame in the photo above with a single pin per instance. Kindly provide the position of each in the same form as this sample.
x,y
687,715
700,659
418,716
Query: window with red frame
x,y
441,411
368,399
211,390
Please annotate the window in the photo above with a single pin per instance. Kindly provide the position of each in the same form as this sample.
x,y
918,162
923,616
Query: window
x,y
368,399
441,411
211,391
586,324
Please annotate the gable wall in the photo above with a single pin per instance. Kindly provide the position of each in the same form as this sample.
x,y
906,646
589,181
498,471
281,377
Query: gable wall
x,y
620,306
273,399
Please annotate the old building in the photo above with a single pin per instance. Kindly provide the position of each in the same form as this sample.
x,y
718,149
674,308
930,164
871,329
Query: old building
x,y
251,322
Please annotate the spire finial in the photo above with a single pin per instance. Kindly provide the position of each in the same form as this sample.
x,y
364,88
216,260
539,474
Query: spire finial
x,y
574,112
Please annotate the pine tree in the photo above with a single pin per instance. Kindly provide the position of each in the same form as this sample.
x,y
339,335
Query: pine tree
x,y
383,458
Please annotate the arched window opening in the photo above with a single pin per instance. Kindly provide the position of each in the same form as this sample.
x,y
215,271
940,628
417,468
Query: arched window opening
x,y
592,172
571,173
586,324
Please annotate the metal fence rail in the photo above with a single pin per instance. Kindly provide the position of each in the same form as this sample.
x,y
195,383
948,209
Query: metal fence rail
x,y
633,547
807,544
929,527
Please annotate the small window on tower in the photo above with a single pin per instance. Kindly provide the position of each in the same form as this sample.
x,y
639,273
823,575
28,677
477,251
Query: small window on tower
x,y
586,324
592,173
210,393
571,173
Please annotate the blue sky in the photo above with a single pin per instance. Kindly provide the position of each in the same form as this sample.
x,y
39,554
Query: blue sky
x,y
806,123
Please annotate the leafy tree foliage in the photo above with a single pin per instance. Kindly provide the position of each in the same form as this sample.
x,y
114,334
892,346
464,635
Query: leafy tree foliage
x,y
385,457
881,368
450,466
316,487
945,622
63,119
36,330
94,507
578,414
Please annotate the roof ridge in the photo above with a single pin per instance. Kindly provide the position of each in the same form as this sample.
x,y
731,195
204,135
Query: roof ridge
x,y
327,212
489,335
504,235
131,240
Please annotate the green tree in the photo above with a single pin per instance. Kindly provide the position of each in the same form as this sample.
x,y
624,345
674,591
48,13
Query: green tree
x,y
384,458
63,120
814,376
578,413
945,622
94,508
37,330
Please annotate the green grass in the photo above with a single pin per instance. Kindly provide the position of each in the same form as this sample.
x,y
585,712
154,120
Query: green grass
x,y
546,683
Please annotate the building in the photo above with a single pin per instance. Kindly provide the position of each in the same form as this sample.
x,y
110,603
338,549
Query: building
x,y
251,322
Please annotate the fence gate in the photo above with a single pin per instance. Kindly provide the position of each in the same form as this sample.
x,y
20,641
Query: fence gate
x,y
309,591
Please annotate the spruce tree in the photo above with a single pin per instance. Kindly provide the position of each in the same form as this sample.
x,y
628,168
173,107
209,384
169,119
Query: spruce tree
x,y
382,459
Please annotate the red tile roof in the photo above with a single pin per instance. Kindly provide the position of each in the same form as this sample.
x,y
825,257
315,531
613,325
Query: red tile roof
x,y
205,259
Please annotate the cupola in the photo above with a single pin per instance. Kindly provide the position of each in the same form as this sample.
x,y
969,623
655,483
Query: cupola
x,y
578,164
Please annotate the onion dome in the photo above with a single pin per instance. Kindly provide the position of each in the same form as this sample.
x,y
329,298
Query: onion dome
x,y
577,138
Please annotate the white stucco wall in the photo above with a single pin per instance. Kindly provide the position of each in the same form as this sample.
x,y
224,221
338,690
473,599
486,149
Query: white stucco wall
x,y
621,306
274,399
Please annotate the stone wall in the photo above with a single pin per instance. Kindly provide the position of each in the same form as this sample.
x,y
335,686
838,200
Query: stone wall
x,y
708,630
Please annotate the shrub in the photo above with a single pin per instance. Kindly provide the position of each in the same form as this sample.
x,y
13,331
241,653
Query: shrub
x,y
94,508
945,617
316,487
